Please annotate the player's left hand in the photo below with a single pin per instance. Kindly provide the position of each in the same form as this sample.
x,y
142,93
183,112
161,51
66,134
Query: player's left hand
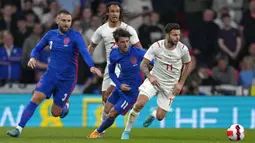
x,y
96,71
177,89
32,63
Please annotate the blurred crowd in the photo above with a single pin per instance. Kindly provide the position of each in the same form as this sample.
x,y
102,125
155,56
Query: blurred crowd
x,y
219,33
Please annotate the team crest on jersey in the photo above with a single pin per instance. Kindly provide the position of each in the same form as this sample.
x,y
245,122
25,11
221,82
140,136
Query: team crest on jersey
x,y
66,41
133,61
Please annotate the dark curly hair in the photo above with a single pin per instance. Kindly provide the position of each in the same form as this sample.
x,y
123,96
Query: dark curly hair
x,y
172,26
119,32
122,12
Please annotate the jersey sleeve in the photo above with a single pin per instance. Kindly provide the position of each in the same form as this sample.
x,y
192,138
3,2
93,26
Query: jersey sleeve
x,y
97,37
83,50
41,45
134,38
142,53
111,69
185,55
150,54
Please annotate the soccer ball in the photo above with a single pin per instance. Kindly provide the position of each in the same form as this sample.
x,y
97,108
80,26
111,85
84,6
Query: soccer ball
x,y
236,132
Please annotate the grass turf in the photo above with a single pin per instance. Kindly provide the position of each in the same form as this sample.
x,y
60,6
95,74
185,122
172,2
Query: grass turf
x,y
78,135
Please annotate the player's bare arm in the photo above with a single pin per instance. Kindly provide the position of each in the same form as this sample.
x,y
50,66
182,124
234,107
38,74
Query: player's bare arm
x,y
185,72
150,66
91,47
144,66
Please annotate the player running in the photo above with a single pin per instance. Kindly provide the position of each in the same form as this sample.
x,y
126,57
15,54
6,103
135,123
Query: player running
x,y
171,68
128,58
113,16
60,78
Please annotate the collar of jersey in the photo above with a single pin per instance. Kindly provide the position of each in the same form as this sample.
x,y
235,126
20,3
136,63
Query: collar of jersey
x,y
126,52
59,34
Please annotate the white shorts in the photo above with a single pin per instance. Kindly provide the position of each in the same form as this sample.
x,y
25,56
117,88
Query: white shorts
x,y
107,80
164,97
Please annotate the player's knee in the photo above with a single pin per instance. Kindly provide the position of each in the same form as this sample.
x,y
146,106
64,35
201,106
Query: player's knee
x,y
112,116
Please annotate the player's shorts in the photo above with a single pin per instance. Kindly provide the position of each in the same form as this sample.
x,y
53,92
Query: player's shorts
x,y
122,103
107,80
164,98
60,89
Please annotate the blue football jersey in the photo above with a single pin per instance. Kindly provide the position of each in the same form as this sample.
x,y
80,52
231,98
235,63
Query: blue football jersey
x,y
129,64
64,52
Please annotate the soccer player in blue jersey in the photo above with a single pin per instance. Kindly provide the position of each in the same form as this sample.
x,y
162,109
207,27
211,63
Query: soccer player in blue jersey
x,y
60,78
128,59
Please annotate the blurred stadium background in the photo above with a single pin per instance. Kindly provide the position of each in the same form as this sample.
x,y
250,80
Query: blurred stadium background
x,y
219,33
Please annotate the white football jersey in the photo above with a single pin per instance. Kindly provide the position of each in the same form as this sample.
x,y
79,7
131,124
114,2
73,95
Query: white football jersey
x,y
167,63
105,33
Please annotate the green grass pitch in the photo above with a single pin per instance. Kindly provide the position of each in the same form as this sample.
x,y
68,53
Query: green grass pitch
x,y
142,135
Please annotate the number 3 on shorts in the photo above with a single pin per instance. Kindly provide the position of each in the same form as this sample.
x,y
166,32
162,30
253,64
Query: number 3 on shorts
x,y
64,98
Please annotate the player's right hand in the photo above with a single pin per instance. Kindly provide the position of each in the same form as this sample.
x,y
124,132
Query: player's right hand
x,y
125,87
153,80
32,63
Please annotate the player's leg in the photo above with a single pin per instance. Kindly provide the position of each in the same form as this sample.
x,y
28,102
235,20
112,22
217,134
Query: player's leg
x,y
164,104
107,106
43,90
133,114
105,92
147,91
108,87
58,110
112,100
108,92
61,105
158,114
105,124
105,86
121,107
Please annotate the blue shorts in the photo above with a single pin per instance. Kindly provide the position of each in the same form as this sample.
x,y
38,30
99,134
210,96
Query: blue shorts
x,y
123,101
60,89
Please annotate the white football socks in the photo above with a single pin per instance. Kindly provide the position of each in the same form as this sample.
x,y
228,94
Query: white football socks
x,y
132,116
19,128
154,113
105,115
